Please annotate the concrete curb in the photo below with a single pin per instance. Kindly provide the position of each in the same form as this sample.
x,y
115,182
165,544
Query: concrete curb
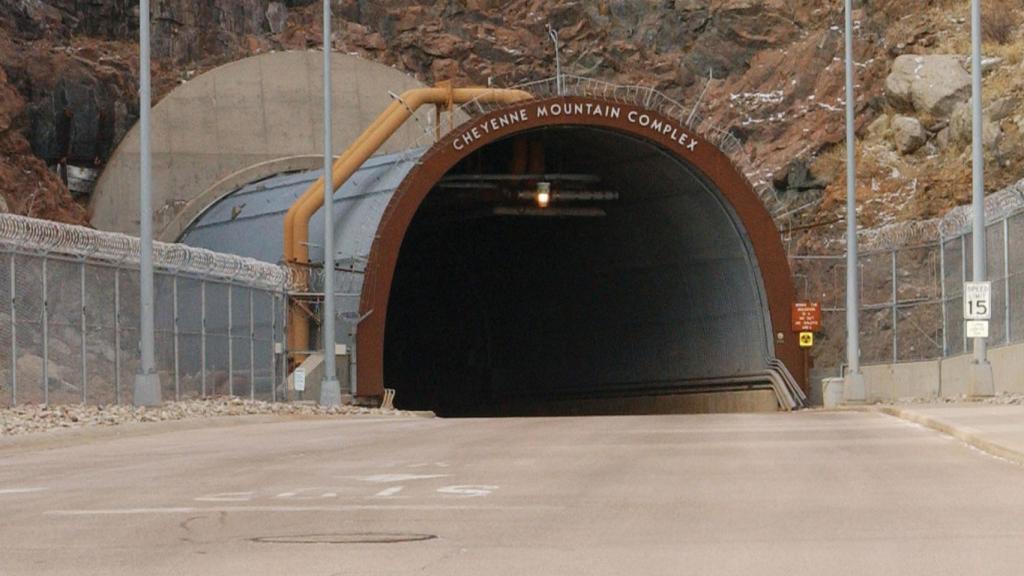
x,y
970,436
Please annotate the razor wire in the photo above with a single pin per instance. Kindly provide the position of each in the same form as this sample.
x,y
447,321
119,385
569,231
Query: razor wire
x,y
957,222
42,236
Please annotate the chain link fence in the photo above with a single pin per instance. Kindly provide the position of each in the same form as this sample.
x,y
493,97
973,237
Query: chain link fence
x,y
911,286
70,315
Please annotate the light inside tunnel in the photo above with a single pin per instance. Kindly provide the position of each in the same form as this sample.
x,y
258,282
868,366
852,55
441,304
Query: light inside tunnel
x,y
543,194
634,279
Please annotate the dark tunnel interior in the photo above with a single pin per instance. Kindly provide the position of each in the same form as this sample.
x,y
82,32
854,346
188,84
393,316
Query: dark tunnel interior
x,y
631,278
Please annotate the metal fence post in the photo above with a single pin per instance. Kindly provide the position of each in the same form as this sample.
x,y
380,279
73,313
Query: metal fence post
x,y
1006,276
202,336
14,335
46,339
963,280
895,311
174,312
252,350
284,343
117,335
85,372
273,347
231,345
942,295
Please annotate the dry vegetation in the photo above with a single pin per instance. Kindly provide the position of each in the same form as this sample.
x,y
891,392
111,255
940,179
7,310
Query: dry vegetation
x,y
926,184
1000,20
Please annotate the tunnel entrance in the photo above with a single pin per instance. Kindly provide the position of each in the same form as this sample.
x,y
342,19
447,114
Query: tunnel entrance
x,y
635,280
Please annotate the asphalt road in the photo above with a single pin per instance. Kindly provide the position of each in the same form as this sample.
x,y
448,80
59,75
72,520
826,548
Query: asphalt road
x,y
809,493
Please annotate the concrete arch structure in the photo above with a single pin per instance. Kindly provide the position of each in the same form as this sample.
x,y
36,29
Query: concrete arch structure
x,y
766,256
192,209
682,288
236,120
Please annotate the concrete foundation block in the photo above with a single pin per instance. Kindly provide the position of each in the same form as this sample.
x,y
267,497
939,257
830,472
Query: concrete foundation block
x,y
854,389
982,384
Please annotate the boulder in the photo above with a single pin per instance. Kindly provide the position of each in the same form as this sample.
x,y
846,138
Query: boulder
x,y
960,122
690,5
59,350
932,84
797,177
277,17
879,127
30,371
908,134
1002,108
988,64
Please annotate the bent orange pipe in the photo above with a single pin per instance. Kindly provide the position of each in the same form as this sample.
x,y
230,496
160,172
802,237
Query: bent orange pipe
x,y
317,188
296,222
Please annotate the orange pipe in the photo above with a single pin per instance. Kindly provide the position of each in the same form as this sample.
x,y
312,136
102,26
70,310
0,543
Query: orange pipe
x,y
296,221
298,320
317,188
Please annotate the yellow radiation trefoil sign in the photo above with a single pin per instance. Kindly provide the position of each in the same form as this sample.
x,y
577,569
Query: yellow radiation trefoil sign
x,y
806,339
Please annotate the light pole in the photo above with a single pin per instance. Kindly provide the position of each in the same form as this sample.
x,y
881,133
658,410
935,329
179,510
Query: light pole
x,y
853,387
330,390
981,381
553,34
146,388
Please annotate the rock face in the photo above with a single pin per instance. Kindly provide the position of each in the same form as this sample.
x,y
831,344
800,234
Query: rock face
x,y
932,84
797,177
908,134
70,79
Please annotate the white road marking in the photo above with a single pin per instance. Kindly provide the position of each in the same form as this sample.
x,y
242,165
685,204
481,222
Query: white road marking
x,y
298,495
6,491
468,491
388,478
283,509
227,497
388,492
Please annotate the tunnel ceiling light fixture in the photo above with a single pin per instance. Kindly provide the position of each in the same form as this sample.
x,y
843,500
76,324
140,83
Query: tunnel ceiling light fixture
x,y
572,196
543,194
553,212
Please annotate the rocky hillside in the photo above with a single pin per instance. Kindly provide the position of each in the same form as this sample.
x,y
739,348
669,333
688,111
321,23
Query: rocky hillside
x,y
68,76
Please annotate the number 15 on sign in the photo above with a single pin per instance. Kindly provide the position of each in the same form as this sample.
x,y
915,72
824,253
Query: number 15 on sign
x,y
977,300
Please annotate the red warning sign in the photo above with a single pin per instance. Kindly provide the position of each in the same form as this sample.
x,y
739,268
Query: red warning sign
x,y
806,317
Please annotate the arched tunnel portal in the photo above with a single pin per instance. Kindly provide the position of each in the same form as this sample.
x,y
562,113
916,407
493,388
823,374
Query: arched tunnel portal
x,y
653,270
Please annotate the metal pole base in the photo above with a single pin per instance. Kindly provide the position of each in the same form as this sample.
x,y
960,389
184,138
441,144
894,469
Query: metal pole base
x,y
854,389
146,390
982,384
330,392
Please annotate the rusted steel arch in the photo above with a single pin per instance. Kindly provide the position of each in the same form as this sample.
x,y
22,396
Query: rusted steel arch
x,y
460,143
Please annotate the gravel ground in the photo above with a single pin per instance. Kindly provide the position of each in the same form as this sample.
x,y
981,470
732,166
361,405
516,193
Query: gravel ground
x,y
27,419
1003,398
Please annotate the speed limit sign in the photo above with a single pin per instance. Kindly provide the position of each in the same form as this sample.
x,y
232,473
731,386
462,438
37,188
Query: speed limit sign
x,y
977,300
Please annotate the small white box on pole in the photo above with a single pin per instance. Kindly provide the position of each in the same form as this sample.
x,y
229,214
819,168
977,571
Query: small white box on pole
x,y
977,300
977,328
299,379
